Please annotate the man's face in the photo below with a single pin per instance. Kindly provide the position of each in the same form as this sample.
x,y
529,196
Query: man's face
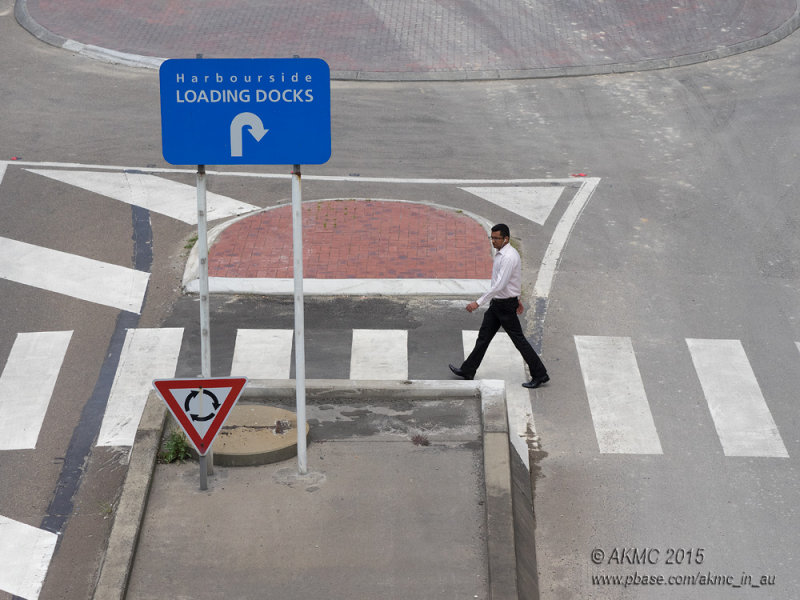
x,y
498,241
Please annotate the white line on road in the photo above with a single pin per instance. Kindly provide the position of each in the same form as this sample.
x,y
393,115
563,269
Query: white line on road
x,y
379,354
621,414
740,413
73,275
288,176
504,362
27,384
552,256
170,198
147,354
25,554
263,353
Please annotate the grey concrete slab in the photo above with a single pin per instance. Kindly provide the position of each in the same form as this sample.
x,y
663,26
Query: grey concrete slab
x,y
371,520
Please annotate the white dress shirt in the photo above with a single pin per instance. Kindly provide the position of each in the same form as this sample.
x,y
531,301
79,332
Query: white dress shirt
x,y
506,275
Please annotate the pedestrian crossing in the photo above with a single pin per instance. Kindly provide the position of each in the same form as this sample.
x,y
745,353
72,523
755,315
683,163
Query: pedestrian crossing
x,y
147,354
743,420
379,354
25,554
615,393
263,353
26,386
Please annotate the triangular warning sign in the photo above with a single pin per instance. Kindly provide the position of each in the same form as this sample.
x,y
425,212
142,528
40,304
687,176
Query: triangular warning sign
x,y
201,405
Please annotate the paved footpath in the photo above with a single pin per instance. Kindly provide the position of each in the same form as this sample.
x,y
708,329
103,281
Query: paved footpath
x,y
419,39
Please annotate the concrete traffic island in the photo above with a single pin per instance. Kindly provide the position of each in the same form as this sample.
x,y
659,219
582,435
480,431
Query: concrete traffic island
x,y
411,492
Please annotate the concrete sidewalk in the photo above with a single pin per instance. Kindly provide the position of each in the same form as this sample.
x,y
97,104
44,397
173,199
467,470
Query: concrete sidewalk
x,y
378,515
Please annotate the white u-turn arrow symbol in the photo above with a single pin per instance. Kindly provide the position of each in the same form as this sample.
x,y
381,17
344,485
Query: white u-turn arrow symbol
x,y
240,121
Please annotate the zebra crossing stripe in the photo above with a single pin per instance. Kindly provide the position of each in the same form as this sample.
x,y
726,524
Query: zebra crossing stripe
x,y
147,354
744,423
263,353
504,362
27,384
621,414
73,275
25,554
379,354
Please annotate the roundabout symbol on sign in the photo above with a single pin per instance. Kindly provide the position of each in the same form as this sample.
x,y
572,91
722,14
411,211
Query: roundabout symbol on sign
x,y
195,416
200,405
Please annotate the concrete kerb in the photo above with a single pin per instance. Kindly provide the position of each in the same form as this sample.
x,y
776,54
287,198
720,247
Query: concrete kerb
x,y
500,508
151,62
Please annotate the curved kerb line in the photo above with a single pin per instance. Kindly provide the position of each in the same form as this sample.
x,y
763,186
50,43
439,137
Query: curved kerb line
x,y
552,256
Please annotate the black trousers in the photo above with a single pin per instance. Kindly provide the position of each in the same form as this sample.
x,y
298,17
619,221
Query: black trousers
x,y
503,313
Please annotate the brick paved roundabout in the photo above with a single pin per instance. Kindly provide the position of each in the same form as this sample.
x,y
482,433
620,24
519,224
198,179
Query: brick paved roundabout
x,y
420,39
353,238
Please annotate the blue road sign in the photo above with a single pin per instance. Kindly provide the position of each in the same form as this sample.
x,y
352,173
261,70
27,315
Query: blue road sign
x,y
248,111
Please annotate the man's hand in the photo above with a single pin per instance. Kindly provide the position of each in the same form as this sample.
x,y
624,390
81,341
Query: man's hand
x,y
520,308
472,306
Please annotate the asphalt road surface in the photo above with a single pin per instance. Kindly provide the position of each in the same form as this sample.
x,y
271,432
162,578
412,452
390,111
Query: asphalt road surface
x,y
669,430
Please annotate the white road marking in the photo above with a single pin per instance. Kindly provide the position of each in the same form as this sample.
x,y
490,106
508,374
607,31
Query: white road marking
x,y
533,203
379,354
25,554
263,353
288,177
170,198
552,256
147,354
27,384
503,361
73,275
3,167
740,413
621,414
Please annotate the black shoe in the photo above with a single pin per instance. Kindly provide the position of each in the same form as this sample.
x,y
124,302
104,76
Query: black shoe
x,y
459,372
536,382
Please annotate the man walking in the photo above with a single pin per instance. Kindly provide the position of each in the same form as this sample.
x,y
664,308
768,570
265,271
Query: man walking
x,y
503,309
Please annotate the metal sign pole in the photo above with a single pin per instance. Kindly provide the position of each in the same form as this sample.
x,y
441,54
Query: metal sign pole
x,y
299,328
206,466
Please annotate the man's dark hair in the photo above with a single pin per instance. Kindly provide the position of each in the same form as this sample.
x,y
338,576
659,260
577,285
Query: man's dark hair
x,y
502,229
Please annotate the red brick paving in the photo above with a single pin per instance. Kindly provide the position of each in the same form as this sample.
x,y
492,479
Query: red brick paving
x,y
347,239
401,36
